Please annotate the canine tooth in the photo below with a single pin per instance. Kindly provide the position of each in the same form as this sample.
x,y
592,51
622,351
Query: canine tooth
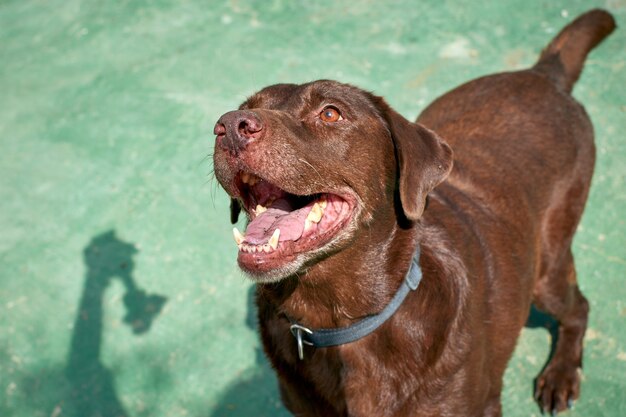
x,y
273,242
239,238
245,177
259,209
323,203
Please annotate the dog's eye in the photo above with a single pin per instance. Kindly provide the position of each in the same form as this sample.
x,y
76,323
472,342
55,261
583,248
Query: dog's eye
x,y
330,114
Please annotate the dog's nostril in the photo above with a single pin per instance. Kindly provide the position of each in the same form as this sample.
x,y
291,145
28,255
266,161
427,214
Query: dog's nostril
x,y
248,127
236,129
219,129
243,127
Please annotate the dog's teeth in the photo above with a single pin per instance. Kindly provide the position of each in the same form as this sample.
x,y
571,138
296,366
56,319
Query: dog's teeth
x,y
273,242
267,248
259,209
249,179
323,203
239,238
316,213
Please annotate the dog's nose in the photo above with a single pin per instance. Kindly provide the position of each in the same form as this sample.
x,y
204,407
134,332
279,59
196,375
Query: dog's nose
x,y
236,129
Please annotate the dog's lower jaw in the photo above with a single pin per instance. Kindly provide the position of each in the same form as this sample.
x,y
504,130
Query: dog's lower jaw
x,y
300,263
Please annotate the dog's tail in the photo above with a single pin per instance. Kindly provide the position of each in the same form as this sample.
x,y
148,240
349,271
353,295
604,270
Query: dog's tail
x,y
562,60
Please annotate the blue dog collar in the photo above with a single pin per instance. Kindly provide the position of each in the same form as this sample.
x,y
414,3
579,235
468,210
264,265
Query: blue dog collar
x,y
334,337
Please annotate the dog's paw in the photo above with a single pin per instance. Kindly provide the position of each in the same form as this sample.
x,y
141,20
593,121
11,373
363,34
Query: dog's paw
x,y
557,388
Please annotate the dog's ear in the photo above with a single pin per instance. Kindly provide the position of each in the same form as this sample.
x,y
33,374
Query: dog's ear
x,y
424,160
235,209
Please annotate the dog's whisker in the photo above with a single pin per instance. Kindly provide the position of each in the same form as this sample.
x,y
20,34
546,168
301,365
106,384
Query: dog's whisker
x,y
313,168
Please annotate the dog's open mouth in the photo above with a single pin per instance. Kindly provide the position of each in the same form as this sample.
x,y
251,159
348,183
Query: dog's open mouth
x,y
283,225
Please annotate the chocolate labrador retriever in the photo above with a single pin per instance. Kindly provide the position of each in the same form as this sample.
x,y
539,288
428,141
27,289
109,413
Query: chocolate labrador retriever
x,y
381,295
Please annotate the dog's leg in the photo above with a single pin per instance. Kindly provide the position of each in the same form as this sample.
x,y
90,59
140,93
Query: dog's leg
x,y
556,292
494,407
558,295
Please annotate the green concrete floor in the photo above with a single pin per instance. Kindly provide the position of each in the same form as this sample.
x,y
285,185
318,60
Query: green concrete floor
x,y
119,292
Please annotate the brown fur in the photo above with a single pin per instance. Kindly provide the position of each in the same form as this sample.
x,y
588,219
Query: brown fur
x,y
495,235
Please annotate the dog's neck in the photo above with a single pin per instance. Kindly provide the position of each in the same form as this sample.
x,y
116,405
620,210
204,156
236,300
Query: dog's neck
x,y
349,285
361,280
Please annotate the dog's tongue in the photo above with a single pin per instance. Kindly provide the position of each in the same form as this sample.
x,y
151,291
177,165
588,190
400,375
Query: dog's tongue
x,y
279,216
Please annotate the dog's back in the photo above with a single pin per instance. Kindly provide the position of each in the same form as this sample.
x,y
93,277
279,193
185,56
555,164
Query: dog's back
x,y
524,158
520,139
504,126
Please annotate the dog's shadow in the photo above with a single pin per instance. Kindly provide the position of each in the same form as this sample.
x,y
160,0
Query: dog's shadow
x,y
255,393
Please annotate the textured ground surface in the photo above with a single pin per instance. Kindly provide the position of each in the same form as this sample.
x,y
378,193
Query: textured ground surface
x,y
119,294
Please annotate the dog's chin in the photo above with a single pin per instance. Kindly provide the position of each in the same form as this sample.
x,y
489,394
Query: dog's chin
x,y
268,274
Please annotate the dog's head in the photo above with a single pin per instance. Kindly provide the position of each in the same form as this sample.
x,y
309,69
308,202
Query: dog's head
x,y
315,165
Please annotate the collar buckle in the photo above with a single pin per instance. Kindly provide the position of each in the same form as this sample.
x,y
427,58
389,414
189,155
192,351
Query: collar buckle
x,y
297,331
